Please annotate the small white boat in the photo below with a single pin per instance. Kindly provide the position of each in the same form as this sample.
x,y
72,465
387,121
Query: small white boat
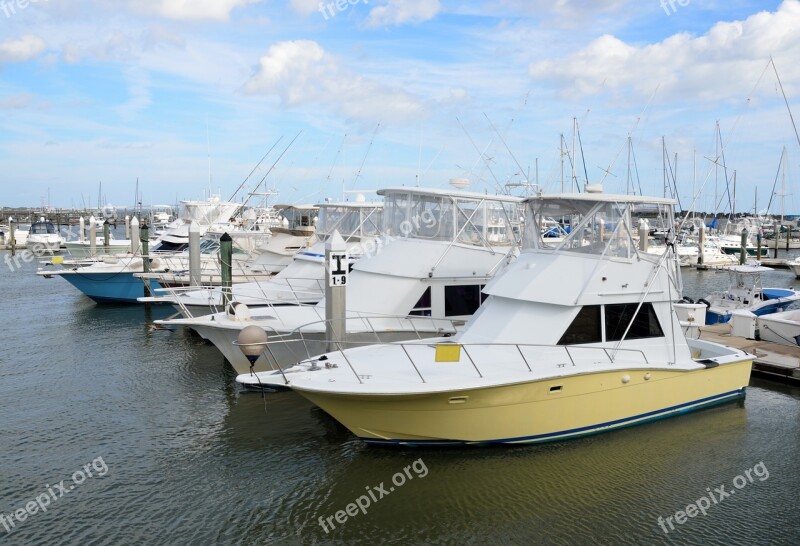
x,y
782,328
745,292
44,238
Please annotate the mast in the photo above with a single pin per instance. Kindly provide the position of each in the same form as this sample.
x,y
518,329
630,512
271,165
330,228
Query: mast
x,y
562,162
574,135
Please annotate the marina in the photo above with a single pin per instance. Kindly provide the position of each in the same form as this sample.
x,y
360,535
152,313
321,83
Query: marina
x,y
399,272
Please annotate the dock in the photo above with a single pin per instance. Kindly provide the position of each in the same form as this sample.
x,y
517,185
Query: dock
x,y
773,361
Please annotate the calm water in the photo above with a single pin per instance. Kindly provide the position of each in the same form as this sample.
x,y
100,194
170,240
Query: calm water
x,y
188,459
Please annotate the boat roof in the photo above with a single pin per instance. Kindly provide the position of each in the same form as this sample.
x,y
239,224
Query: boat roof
x,y
602,197
353,204
449,193
750,269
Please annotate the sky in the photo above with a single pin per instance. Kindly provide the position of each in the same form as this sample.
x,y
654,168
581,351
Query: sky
x,y
182,98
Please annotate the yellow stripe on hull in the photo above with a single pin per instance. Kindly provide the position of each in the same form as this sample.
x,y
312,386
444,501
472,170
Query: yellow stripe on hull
x,y
543,410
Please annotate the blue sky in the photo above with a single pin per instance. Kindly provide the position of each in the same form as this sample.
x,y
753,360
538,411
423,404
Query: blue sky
x,y
416,91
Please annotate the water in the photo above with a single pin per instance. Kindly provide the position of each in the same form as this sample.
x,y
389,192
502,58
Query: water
x,y
191,460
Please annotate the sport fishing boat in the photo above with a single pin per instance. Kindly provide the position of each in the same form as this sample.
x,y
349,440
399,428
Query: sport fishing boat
x,y
573,339
301,282
745,292
439,247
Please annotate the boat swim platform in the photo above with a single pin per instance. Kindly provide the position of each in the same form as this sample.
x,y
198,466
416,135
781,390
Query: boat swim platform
x,y
772,360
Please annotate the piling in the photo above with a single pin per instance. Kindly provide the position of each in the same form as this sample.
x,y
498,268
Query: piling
x,y
127,227
701,241
92,236
145,240
643,233
743,248
788,235
13,236
106,236
81,229
336,291
226,267
194,254
758,246
134,236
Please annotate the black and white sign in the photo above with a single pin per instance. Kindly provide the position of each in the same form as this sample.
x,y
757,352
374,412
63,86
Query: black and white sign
x,y
337,269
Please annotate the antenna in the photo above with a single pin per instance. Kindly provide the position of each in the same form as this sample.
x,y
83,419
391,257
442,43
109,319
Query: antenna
x,y
208,146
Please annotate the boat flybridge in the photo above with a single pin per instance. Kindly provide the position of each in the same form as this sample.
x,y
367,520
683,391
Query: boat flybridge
x,y
573,339
302,281
421,279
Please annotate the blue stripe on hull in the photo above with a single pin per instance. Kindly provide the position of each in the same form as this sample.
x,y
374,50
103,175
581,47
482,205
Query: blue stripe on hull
x,y
110,288
717,318
590,430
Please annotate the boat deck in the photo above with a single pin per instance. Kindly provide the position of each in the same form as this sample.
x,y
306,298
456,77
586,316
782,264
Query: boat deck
x,y
774,361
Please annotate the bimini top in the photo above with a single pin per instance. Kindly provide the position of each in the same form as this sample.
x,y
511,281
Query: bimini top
x,y
597,197
449,193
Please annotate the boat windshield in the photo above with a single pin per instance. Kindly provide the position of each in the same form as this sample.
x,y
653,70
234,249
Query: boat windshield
x,y
602,227
42,228
349,221
299,217
470,220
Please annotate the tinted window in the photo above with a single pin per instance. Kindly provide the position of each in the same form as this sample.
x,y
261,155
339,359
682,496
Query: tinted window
x,y
644,325
462,300
423,306
585,328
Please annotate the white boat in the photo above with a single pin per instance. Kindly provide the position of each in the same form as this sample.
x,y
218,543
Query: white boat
x,y
782,328
745,292
794,266
44,238
297,226
20,236
301,282
427,271
571,341
83,249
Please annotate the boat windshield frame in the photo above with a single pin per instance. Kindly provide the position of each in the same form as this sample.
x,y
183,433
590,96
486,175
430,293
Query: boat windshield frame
x,y
352,222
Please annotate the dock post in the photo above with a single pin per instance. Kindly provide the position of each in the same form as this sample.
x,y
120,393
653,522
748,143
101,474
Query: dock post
x,y
134,236
226,267
701,241
92,236
775,248
788,235
81,229
643,233
145,240
13,236
127,227
758,245
194,254
743,247
336,291
106,236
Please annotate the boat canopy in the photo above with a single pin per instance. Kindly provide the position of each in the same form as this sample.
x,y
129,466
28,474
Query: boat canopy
x,y
437,215
42,228
593,223
351,220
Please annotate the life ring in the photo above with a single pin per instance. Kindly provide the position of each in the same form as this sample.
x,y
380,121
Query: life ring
x,y
704,302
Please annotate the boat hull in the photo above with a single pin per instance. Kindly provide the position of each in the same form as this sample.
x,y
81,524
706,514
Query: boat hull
x,y
532,412
107,287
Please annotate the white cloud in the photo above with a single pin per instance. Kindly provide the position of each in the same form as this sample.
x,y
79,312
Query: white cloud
x,y
191,10
305,7
300,72
398,12
21,49
724,62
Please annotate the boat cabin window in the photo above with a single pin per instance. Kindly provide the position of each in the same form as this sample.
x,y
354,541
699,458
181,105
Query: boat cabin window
x,y
585,328
349,221
645,323
462,300
42,228
423,307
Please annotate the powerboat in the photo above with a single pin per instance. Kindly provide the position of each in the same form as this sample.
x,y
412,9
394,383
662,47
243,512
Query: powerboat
x,y
44,238
301,282
573,339
782,328
745,292
424,273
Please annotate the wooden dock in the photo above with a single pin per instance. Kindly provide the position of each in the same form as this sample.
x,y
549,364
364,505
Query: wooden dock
x,y
773,361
